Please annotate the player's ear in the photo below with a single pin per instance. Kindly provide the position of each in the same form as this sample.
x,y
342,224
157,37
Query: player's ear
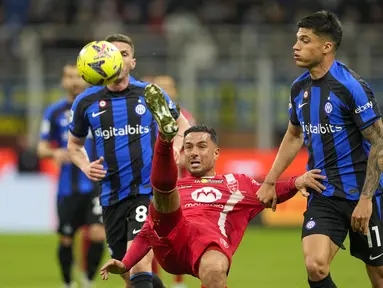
x,y
328,47
133,64
216,154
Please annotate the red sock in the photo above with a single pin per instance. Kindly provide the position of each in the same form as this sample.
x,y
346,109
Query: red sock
x,y
164,167
178,279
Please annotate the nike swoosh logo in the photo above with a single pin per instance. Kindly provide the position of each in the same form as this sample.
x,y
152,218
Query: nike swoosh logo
x,y
375,257
136,231
301,105
97,114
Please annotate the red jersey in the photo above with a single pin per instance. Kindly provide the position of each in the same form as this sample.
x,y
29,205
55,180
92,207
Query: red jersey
x,y
214,210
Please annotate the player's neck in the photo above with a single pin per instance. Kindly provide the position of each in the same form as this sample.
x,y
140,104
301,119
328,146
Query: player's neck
x,y
320,70
71,98
210,173
119,86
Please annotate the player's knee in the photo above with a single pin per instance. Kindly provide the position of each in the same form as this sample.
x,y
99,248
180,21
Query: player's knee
x,y
96,232
145,265
375,274
213,268
66,240
317,267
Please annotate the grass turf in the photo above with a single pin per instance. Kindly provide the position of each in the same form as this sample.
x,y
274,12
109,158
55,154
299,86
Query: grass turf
x,y
266,258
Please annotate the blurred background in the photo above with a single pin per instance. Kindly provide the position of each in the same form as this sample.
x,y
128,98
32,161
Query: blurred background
x,y
233,66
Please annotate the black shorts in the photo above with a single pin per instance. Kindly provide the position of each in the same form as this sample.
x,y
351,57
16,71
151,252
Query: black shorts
x,y
78,210
123,221
331,216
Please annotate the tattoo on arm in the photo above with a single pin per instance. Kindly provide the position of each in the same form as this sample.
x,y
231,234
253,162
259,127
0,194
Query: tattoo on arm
x,y
374,134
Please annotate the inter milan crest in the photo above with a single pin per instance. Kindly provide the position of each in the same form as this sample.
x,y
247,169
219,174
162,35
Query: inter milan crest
x,y
140,109
328,107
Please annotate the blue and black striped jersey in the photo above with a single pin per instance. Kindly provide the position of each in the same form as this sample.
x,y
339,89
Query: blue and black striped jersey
x,y
54,128
125,133
332,112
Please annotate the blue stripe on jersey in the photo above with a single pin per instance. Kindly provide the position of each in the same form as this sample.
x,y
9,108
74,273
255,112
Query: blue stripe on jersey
x,y
318,155
378,199
120,118
105,184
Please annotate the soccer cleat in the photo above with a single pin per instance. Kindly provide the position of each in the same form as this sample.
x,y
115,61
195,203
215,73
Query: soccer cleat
x,y
157,104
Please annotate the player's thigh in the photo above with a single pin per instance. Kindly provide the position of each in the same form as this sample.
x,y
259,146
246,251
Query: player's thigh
x,y
93,217
137,214
324,230
115,218
69,216
166,202
369,248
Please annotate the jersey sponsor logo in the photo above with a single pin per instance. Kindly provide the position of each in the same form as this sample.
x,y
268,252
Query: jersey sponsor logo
x,y
127,130
206,180
320,129
206,195
364,107
94,115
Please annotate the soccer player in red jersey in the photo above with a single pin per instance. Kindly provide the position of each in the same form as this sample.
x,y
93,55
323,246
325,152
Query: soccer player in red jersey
x,y
196,224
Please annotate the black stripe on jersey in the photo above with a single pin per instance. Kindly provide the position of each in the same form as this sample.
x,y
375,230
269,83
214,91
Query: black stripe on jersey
x,y
328,144
134,145
355,138
153,135
107,121
75,173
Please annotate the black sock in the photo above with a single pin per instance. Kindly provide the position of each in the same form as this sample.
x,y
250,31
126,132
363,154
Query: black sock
x,y
157,283
324,283
142,280
95,252
66,259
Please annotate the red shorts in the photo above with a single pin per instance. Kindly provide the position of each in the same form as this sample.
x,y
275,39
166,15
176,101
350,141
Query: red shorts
x,y
181,250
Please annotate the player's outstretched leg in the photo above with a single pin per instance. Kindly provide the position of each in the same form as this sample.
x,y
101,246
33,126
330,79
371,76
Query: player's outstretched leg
x,y
213,269
165,207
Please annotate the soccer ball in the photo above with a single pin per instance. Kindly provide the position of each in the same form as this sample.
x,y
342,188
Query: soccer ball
x,y
99,63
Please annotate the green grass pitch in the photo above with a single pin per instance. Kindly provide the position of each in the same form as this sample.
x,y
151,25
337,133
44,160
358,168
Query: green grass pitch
x,y
266,258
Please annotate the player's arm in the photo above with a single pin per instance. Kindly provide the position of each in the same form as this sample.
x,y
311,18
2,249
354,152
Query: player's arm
x,y
373,134
79,129
139,248
45,149
291,144
367,117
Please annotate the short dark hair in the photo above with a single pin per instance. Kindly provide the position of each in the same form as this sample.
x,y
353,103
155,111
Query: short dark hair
x,y
324,23
203,128
120,38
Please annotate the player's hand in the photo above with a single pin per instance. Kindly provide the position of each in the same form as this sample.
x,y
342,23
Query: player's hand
x,y
267,195
310,180
61,156
95,170
361,216
112,266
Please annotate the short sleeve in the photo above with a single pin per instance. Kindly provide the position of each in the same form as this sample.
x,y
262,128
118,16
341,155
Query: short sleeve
x,y
78,121
47,126
364,107
292,107
172,106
